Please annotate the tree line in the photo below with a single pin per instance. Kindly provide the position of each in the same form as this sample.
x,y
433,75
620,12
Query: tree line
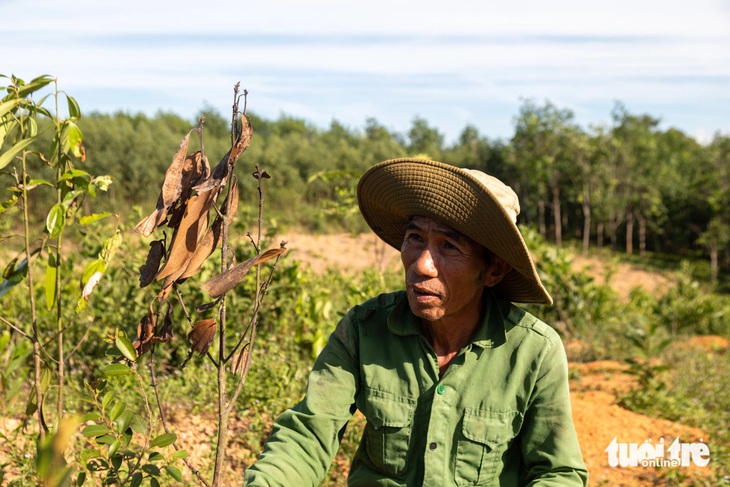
x,y
629,184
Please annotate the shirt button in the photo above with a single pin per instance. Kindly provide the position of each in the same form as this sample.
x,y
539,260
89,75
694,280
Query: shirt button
x,y
441,389
432,446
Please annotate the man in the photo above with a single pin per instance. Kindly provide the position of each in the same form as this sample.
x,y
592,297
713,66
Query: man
x,y
459,386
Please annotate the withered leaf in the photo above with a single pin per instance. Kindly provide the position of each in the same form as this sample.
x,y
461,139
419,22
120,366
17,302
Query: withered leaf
x,y
202,335
172,186
225,281
149,269
176,214
205,248
233,196
166,331
170,192
147,224
218,177
145,331
195,170
187,235
243,139
239,359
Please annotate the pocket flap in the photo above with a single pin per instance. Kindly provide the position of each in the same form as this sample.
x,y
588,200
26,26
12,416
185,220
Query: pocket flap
x,y
382,409
491,427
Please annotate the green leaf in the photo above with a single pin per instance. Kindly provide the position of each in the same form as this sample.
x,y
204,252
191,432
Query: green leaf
x,y
5,205
180,454
136,480
88,454
56,220
164,439
116,370
88,219
73,139
70,197
151,469
73,108
113,448
154,482
7,106
106,439
123,421
156,456
32,129
6,126
51,276
96,265
174,472
92,416
125,346
75,173
7,157
138,425
116,462
116,410
94,430
33,183
14,276
107,399
100,183
81,479
35,85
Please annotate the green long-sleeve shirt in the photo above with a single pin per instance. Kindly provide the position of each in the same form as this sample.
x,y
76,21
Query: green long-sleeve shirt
x,y
500,415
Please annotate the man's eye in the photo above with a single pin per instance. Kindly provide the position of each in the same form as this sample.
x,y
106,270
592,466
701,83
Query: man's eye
x,y
448,246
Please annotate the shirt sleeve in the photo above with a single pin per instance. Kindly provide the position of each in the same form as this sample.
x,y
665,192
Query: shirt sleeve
x,y
306,437
550,446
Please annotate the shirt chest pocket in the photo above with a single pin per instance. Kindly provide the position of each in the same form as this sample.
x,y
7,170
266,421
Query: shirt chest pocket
x,y
482,443
388,431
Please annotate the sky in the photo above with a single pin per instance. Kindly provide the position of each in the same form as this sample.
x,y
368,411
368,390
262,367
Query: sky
x,y
454,64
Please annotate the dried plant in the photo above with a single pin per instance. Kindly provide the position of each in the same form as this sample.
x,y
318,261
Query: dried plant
x,y
188,204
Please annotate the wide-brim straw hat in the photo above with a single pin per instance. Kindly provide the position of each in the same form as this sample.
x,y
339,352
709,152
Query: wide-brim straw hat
x,y
469,201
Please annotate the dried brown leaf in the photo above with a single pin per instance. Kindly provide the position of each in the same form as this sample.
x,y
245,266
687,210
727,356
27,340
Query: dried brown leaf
x,y
145,331
195,170
217,177
239,359
176,214
202,335
187,235
206,247
147,224
149,269
220,173
170,192
172,186
225,281
166,331
233,195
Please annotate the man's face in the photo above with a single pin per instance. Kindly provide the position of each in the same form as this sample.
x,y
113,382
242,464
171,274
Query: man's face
x,y
444,271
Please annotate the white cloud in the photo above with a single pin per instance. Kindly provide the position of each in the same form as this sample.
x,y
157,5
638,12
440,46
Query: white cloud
x,y
327,59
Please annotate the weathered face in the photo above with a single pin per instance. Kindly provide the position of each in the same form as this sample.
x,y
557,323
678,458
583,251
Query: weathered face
x,y
444,271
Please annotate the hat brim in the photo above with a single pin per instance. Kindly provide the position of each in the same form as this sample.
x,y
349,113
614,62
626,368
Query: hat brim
x,y
393,191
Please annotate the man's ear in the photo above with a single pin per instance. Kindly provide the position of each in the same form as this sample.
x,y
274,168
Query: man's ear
x,y
495,272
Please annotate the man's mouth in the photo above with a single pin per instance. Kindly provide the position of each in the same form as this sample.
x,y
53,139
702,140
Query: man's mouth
x,y
423,293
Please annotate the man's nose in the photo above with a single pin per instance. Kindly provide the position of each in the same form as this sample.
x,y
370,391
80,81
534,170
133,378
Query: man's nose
x,y
425,265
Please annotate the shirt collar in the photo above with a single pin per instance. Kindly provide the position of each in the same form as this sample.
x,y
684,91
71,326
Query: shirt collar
x,y
492,332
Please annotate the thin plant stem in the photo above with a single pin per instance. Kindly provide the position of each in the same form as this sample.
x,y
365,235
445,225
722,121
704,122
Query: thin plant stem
x,y
59,315
37,362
